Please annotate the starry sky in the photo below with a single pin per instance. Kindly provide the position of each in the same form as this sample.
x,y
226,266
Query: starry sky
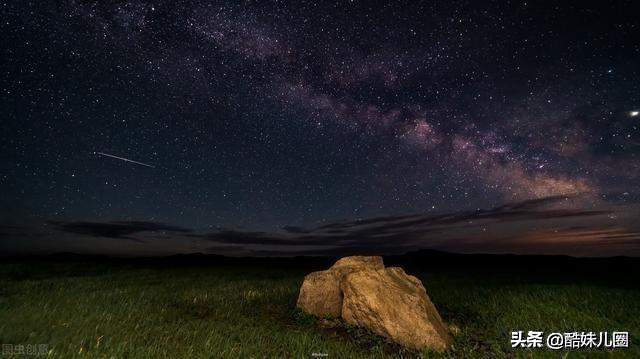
x,y
269,128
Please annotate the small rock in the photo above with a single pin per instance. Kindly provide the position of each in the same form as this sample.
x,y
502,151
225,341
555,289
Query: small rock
x,y
320,293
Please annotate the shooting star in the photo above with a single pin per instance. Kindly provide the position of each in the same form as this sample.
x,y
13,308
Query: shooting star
x,y
123,159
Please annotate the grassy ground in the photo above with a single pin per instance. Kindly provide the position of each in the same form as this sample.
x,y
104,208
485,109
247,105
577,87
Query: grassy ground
x,y
122,310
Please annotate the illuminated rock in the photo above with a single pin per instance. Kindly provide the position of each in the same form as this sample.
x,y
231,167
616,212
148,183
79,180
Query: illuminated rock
x,y
387,301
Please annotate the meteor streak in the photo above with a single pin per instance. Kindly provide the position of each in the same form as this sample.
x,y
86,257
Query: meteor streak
x,y
123,159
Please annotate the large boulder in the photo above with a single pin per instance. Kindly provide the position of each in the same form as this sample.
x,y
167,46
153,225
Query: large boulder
x,y
387,301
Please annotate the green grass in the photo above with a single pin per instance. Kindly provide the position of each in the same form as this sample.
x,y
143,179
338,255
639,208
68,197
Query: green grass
x,y
116,310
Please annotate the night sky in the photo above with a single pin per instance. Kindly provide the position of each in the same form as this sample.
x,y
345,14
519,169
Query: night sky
x,y
266,128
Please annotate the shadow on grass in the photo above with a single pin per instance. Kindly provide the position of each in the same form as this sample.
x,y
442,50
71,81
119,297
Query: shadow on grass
x,y
336,328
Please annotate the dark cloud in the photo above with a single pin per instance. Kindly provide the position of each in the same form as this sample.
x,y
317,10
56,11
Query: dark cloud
x,y
118,229
546,225
294,229
13,232
397,234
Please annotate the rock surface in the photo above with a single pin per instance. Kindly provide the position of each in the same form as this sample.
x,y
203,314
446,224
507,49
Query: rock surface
x,y
387,301
320,293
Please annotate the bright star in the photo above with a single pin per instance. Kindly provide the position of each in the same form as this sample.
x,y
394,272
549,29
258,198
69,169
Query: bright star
x,y
634,113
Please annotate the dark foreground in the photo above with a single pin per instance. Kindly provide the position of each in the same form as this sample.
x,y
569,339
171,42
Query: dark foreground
x,y
204,306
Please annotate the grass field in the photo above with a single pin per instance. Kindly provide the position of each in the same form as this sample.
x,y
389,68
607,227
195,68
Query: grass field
x,y
239,310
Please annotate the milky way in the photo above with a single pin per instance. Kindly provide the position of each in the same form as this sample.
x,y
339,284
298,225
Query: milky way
x,y
262,115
